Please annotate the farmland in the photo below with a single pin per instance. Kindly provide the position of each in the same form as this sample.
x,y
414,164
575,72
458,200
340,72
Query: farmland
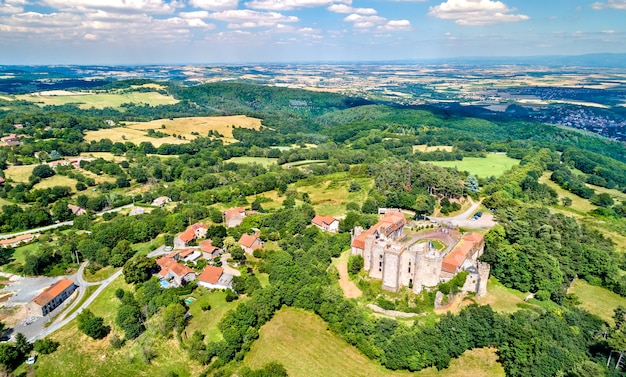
x,y
494,164
86,100
178,130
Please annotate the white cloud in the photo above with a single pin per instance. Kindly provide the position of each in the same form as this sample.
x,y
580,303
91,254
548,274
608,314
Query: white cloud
x,y
395,25
343,8
215,4
611,4
196,14
476,12
90,37
138,6
289,4
8,8
245,18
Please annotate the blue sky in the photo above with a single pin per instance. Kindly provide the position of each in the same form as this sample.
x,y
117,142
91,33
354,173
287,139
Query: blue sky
x,y
243,31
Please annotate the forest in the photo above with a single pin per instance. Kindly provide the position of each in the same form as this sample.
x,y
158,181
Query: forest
x,y
539,246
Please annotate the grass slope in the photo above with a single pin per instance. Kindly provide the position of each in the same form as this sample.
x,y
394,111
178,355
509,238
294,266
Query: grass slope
x,y
493,164
597,300
300,341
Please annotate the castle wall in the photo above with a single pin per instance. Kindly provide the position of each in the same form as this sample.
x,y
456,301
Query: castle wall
x,y
391,271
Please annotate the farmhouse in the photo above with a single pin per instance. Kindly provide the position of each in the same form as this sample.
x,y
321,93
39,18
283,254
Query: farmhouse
x,y
234,216
174,272
11,140
398,262
195,231
52,297
215,277
15,241
326,223
209,251
249,243
76,210
136,211
161,201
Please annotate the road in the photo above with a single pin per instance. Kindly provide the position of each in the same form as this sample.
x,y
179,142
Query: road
x,y
57,225
462,220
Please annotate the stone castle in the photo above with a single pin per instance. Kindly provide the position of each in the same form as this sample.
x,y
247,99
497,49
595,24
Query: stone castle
x,y
399,261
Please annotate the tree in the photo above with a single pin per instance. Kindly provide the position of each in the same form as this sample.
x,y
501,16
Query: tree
x,y
355,264
45,346
566,201
602,200
91,325
472,183
354,186
138,269
22,345
43,171
173,318
9,356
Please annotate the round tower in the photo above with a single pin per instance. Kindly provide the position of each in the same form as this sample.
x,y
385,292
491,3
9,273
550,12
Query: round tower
x,y
428,269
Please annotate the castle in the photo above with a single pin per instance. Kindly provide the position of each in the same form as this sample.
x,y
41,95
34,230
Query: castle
x,y
399,261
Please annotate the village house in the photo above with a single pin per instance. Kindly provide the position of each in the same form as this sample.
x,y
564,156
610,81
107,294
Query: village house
x,y
215,277
326,223
189,255
161,201
12,140
233,216
175,273
193,232
249,243
209,251
76,210
52,297
16,241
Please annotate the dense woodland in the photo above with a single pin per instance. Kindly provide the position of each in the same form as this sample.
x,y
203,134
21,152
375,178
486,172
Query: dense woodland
x,y
533,249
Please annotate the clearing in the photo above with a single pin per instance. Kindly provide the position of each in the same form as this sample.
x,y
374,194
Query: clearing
x,y
350,290
501,298
494,164
185,128
427,148
301,341
597,300
86,100
579,204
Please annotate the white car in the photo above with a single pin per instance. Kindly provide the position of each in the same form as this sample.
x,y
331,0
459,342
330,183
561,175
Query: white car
x,y
31,360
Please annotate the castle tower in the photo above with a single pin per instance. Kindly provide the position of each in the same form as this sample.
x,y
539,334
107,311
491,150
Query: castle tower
x,y
483,277
391,266
428,269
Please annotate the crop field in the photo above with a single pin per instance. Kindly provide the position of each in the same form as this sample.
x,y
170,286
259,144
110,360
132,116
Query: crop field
x,y
88,100
253,160
494,164
19,173
597,300
427,148
301,341
136,132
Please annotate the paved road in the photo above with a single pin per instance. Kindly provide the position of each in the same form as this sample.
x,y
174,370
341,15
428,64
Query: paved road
x,y
462,220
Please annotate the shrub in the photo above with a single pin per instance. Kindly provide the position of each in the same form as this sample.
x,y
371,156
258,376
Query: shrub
x,y
45,346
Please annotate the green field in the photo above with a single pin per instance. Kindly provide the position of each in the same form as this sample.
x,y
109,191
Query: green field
x,y
493,164
501,298
19,173
578,203
87,100
206,321
597,300
57,180
301,341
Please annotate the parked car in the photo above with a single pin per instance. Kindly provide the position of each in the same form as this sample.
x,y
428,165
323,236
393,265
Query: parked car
x,y
31,360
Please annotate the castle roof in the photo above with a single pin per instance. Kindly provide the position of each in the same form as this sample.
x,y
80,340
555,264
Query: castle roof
x,y
457,256
391,222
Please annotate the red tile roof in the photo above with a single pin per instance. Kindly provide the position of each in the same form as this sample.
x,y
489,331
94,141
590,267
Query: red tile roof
x,y
188,235
476,238
321,220
185,253
52,292
170,265
207,246
391,222
211,274
247,240
23,237
457,256
197,226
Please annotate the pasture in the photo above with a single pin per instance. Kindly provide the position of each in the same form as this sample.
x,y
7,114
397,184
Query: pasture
x,y
57,180
178,130
494,164
86,100
19,173
253,160
579,204
301,341
597,300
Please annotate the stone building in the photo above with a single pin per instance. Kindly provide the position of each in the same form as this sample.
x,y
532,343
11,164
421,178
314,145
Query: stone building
x,y
389,255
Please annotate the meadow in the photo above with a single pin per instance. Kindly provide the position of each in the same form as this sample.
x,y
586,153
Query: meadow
x,y
253,160
302,342
597,300
427,148
19,173
179,130
86,100
494,164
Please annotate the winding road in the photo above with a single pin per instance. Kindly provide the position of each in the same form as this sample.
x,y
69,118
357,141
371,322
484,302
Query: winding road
x,y
462,220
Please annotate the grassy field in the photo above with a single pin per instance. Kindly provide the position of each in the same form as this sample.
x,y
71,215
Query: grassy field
x,y
493,164
101,274
57,180
253,160
19,173
578,203
136,132
4,202
103,155
98,100
426,148
301,342
615,194
206,321
597,300
501,298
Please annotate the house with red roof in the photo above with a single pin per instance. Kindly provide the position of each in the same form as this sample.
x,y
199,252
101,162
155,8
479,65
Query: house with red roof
x,y
209,251
11,140
161,201
76,210
326,223
251,242
233,216
52,297
190,255
193,232
17,240
175,273
215,277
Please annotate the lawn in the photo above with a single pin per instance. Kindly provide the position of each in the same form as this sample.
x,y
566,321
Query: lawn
x,y
103,155
597,300
301,341
87,100
19,173
206,321
253,160
101,274
185,129
494,164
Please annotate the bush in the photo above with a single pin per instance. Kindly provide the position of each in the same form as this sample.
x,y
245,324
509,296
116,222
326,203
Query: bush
x,y
45,346
116,342
206,307
355,264
91,325
231,296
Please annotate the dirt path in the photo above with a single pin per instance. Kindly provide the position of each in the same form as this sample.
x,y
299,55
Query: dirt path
x,y
350,290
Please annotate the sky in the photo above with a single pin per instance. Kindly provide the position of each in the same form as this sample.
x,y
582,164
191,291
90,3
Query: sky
x,y
255,31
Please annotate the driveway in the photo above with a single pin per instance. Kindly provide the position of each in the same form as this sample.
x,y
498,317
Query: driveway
x,y
463,220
